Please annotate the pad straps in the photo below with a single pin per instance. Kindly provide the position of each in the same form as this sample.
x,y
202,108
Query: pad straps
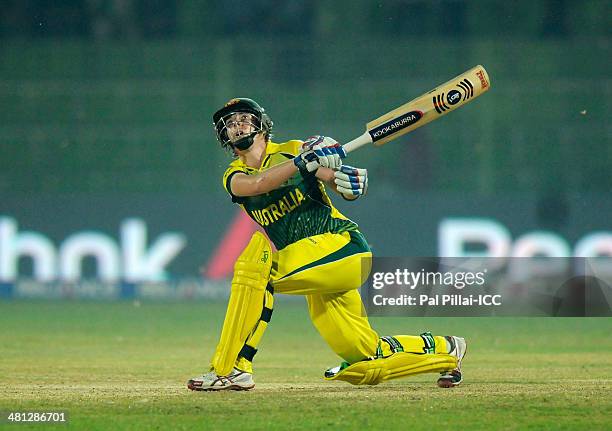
x,y
429,341
393,343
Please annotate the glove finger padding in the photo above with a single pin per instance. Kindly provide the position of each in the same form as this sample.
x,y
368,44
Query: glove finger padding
x,y
351,188
311,141
351,181
323,141
328,156
349,170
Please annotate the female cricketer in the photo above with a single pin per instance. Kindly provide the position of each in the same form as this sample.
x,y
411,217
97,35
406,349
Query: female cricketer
x,y
320,254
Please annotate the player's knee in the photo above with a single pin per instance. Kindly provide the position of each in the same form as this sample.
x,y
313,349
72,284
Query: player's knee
x,y
353,350
252,268
249,274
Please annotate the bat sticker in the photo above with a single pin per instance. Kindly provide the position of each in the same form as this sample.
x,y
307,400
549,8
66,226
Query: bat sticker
x,y
439,104
395,125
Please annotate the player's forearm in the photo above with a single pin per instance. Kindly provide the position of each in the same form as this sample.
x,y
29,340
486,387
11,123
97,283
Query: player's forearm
x,y
263,182
326,175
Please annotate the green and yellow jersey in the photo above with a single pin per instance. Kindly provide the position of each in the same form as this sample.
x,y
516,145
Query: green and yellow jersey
x,y
298,209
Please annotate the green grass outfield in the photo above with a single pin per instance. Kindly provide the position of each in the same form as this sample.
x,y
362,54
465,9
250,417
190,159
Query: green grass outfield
x,y
118,365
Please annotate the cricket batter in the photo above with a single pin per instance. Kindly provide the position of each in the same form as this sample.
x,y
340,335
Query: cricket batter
x,y
321,254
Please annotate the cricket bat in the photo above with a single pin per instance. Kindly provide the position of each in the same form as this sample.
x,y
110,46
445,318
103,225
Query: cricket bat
x,y
420,111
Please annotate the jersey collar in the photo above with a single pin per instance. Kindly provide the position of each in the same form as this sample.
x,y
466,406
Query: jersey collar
x,y
271,148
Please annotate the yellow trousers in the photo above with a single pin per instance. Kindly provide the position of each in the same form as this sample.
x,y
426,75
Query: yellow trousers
x,y
328,269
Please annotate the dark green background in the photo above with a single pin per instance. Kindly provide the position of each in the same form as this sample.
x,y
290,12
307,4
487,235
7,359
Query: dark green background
x,y
97,100
105,112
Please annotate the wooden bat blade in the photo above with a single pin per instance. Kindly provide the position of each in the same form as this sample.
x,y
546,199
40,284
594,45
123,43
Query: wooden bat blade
x,y
428,107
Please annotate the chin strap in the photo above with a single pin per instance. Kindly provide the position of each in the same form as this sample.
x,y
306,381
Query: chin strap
x,y
245,142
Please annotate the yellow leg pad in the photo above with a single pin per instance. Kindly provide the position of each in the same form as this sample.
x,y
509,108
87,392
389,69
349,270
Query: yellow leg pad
x,y
251,274
244,364
398,365
255,337
250,345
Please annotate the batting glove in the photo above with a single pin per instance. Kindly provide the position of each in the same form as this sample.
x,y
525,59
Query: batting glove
x,y
311,141
351,181
319,151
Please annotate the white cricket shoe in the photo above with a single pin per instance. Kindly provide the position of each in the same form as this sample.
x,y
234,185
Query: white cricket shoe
x,y
452,378
235,381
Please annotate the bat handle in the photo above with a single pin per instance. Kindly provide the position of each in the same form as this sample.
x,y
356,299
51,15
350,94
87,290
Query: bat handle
x,y
357,142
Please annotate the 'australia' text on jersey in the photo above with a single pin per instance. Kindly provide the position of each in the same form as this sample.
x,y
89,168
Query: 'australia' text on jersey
x,y
273,212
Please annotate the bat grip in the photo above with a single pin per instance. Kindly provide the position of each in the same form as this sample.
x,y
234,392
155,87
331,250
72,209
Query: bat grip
x,y
357,142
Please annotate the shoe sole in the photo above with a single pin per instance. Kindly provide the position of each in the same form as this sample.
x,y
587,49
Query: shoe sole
x,y
193,387
448,383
